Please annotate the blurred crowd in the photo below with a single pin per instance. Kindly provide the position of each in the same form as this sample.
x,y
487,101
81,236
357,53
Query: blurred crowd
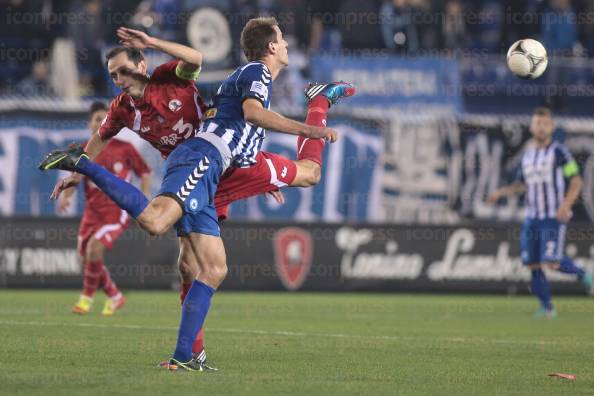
x,y
38,33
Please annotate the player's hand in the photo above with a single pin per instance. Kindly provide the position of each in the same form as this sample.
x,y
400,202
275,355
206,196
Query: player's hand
x,y
323,133
564,213
65,183
278,196
493,197
133,38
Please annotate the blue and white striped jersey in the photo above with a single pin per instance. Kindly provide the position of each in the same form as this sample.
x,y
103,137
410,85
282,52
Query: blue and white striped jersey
x,y
545,172
225,115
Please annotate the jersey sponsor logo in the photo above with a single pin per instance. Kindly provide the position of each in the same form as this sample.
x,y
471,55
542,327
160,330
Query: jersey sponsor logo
x,y
169,140
145,129
284,171
292,256
259,88
210,113
193,203
175,105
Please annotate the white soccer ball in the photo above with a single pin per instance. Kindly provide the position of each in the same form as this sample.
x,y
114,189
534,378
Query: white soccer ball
x,y
527,59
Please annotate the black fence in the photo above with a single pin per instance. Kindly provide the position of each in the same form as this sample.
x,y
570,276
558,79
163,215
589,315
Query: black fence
x,y
478,258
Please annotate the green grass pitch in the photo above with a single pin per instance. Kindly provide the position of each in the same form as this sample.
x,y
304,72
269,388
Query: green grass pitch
x,y
299,344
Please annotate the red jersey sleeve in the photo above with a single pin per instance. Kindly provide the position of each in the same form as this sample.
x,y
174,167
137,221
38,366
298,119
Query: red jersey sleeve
x,y
113,122
167,72
136,162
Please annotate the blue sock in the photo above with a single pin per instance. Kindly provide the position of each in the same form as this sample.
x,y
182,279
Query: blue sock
x,y
540,287
194,312
124,194
567,266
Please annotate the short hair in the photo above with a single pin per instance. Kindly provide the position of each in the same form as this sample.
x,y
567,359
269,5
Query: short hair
x,y
96,106
543,111
135,55
256,35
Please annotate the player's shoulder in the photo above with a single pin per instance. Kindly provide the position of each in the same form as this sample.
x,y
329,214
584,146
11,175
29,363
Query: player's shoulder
x,y
560,148
120,102
164,71
257,69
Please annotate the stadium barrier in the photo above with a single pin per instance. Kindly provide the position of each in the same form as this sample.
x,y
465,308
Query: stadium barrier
x,y
413,168
287,256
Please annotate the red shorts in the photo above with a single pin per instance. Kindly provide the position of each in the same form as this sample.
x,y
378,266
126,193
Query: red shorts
x,y
271,172
105,227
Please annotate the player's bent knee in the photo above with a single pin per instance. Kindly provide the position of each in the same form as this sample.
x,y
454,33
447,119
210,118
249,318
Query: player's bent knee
x,y
154,226
215,275
316,176
160,215
94,250
308,174
187,269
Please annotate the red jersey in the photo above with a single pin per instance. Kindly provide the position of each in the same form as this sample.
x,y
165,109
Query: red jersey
x,y
169,112
120,158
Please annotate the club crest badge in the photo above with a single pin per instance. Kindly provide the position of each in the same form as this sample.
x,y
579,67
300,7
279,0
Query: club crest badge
x,y
292,256
175,105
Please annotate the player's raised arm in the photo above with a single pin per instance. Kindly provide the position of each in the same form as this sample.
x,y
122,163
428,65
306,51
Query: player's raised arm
x,y
191,59
255,113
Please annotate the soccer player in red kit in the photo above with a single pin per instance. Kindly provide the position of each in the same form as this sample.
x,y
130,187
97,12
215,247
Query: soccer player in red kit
x,y
154,107
103,221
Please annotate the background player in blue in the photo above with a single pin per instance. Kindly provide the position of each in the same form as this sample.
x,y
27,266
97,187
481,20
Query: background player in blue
x,y
232,136
551,181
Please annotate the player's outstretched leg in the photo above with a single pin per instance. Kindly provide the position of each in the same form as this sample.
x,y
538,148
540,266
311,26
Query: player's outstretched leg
x,y
74,159
319,98
567,266
156,216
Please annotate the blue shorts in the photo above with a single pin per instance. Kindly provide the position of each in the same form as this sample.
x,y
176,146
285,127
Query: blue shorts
x,y
542,241
192,173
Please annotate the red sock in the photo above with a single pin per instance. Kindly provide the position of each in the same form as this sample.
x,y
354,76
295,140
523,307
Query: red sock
x,y
109,286
92,277
311,149
198,345
184,290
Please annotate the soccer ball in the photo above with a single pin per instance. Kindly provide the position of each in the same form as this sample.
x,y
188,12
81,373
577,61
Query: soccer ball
x,y
527,59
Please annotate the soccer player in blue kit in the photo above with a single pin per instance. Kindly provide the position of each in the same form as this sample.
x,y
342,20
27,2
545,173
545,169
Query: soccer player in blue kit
x,y
231,135
551,181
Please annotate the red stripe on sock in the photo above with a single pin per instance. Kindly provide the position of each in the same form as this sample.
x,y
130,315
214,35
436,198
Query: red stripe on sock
x,y
198,345
109,286
92,277
185,287
312,149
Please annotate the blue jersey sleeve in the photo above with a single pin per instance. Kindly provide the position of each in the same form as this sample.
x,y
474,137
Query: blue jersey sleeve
x,y
254,82
565,160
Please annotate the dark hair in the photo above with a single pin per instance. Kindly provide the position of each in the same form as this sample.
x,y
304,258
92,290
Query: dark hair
x,y
135,55
256,35
543,111
96,106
